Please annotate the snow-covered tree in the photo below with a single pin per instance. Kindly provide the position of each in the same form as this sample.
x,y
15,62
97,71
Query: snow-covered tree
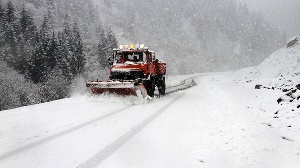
x,y
15,90
78,58
11,31
56,86
50,51
2,39
102,48
107,42
26,40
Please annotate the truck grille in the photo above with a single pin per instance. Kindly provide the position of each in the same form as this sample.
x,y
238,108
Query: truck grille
x,y
127,75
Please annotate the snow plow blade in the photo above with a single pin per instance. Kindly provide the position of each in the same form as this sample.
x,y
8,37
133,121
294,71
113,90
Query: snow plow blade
x,y
117,87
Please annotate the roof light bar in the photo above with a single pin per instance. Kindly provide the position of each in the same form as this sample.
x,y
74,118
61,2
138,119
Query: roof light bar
x,y
137,46
132,46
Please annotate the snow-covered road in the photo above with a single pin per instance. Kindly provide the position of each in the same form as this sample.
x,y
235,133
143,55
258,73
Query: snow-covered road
x,y
217,123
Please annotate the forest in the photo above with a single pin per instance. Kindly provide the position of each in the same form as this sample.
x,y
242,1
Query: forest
x,y
39,63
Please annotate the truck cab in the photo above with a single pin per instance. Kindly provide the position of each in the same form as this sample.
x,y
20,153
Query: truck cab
x,y
137,63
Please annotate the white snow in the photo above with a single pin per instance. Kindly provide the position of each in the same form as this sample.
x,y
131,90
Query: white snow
x,y
223,121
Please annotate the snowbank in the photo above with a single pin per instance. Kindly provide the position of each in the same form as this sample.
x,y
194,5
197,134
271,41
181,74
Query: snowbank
x,y
280,70
280,74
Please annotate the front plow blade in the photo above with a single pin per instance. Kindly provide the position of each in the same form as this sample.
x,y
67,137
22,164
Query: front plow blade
x,y
121,88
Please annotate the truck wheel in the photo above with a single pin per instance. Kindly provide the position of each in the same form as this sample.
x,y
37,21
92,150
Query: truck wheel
x,y
161,87
150,87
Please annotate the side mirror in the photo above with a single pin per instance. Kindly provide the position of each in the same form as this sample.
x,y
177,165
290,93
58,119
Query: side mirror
x,y
110,60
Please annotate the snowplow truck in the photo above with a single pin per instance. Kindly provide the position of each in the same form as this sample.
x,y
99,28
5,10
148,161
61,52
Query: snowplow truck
x,y
134,70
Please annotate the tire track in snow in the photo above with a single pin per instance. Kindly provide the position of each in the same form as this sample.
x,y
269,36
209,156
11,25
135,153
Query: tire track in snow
x,y
119,142
187,83
184,84
39,142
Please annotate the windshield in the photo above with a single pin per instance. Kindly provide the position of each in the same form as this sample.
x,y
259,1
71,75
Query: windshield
x,y
122,57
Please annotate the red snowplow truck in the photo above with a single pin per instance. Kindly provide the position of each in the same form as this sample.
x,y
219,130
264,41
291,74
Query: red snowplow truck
x,y
134,71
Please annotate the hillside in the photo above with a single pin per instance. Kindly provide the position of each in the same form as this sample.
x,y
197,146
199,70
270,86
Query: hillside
x,y
280,70
194,36
278,75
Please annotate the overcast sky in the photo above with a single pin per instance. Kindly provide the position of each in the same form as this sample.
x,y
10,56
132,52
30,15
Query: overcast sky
x,y
284,13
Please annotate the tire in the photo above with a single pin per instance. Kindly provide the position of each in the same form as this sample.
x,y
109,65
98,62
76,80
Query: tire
x,y
161,86
150,87
162,90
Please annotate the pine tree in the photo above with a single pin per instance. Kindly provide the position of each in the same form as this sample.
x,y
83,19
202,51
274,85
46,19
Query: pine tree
x,y
51,52
63,56
27,26
78,59
2,40
2,12
106,44
26,40
111,41
39,61
65,50
102,48
11,31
